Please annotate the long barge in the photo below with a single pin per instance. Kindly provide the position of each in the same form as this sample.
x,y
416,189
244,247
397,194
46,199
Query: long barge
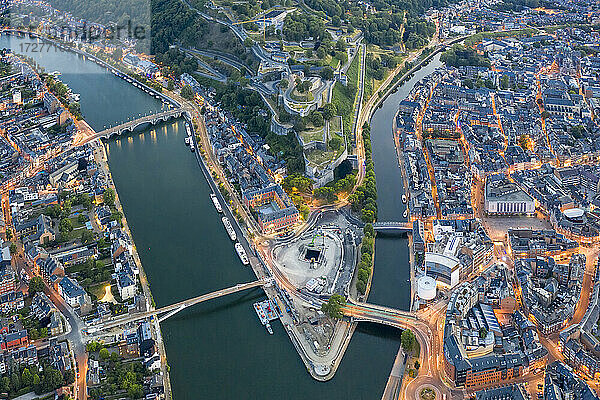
x,y
216,203
242,253
229,228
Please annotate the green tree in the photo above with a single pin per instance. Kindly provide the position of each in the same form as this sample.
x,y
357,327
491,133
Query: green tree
x,y
335,143
65,226
368,230
135,391
36,284
93,347
66,208
334,305
329,111
69,377
417,364
109,197
363,275
15,382
316,118
408,340
187,92
12,248
367,215
53,211
116,216
104,354
75,109
26,377
326,73
303,86
5,384
361,286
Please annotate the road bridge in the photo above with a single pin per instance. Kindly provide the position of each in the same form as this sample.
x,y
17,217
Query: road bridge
x,y
129,126
377,311
168,311
396,226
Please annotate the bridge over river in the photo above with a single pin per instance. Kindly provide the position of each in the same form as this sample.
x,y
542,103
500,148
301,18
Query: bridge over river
x,y
170,310
130,126
393,226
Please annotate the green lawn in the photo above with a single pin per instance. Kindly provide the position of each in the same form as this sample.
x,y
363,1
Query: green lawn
x,y
312,135
320,157
301,97
335,125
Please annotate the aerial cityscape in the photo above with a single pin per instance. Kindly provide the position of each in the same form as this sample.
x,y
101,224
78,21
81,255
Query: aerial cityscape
x,y
260,199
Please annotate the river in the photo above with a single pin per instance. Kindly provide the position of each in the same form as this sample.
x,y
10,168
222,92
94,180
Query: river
x,y
391,273
218,349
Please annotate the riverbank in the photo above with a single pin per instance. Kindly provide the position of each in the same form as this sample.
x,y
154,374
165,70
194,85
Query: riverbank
x,y
102,160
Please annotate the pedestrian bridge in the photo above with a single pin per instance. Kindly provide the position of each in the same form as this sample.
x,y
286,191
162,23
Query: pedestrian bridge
x,y
168,311
393,226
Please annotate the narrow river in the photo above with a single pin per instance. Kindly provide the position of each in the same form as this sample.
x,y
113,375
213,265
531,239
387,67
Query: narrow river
x,y
219,350
391,274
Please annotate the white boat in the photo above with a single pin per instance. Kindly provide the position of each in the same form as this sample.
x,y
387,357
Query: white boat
x,y
187,129
192,148
404,198
187,140
229,228
405,213
242,253
216,203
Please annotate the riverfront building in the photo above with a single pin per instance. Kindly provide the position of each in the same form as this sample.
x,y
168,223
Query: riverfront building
x,y
275,211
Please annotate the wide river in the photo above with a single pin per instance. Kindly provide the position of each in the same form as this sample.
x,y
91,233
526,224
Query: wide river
x,y
219,350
